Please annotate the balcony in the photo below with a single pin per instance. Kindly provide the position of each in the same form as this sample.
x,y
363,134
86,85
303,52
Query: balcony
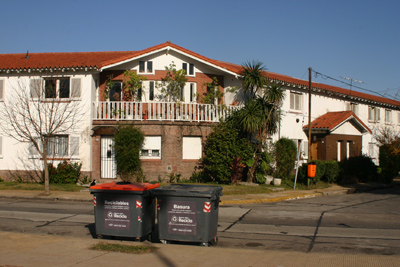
x,y
159,111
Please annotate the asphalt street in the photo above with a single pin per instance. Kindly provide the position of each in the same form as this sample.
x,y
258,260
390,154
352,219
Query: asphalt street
x,y
363,223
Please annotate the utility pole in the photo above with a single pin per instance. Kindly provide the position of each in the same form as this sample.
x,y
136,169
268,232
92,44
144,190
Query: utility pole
x,y
309,113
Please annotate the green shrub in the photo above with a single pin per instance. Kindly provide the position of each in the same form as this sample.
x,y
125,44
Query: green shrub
x,y
285,157
358,169
127,144
223,146
65,173
332,171
389,160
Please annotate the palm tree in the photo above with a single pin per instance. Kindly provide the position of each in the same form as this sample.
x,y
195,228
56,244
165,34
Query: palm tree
x,y
259,118
253,78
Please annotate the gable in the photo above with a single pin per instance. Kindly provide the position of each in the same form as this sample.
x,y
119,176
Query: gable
x,y
348,128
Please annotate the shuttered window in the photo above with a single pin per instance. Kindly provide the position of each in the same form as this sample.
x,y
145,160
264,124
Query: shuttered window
x,y
35,88
1,90
296,101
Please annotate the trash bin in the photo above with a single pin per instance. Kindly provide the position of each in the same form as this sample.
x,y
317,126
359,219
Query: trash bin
x,y
188,213
311,169
124,209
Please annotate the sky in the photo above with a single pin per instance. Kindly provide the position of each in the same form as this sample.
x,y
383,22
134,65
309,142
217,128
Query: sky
x,y
357,39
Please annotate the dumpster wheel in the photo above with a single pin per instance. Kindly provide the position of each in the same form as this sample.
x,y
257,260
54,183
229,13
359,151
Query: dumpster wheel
x,y
214,241
165,241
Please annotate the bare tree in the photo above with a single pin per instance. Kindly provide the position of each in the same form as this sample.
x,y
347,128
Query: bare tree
x,y
386,135
38,109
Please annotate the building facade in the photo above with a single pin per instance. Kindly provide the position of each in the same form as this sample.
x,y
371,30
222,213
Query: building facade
x,y
344,122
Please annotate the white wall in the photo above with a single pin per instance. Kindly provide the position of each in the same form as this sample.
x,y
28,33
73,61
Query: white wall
x,y
16,155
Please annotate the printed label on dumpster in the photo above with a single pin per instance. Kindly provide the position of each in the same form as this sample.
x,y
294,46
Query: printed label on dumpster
x,y
182,218
116,214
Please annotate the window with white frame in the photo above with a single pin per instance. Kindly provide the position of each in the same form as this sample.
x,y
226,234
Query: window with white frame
x,y
55,88
193,92
59,146
189,71
145,66
191,148
1,90
388,116
151,148
374,114
296,101
352,107
151,90
115,92
371,150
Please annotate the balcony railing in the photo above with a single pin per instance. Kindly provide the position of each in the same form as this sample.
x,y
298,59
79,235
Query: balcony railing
x,y
160,111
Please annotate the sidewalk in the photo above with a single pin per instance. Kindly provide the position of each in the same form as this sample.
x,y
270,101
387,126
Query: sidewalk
x,y
34,250
276,196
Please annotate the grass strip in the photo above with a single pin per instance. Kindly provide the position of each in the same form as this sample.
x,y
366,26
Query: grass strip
x,y
139,249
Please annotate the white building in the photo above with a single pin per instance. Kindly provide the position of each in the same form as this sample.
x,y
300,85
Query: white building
x,y
175,132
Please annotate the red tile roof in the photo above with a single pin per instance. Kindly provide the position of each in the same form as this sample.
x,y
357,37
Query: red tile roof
x,y
99,60
332,120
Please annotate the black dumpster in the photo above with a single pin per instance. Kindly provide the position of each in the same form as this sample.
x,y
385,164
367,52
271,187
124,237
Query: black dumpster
x,y
124,209
188,213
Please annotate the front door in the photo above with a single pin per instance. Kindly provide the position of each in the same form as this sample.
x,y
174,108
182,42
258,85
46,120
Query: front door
x,y
108,161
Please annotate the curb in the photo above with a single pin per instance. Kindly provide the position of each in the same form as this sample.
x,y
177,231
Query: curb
x,y
266,200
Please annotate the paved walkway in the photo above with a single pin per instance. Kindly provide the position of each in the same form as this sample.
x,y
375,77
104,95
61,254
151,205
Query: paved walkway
x,y
225,200
19,249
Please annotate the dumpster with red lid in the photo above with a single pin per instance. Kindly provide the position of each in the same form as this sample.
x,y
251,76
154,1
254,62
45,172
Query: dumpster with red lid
x,y
124,209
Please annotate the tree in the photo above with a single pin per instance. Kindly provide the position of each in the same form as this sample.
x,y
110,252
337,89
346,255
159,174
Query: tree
x,y
37,113
253,78
133,85
173,83
259,118
213,94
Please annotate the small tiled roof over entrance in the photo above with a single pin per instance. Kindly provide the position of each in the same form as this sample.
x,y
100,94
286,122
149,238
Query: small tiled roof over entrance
x,y
332,120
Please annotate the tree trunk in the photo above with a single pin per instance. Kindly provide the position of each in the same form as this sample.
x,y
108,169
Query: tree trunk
x,y
46,176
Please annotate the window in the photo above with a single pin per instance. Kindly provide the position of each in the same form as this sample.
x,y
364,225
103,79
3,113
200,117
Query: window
x,y
143,68
115,91
1,147
191,69
56,88
296,101
353,107
59,88
388,116
59,146
151,91
192,92
151,148
374,114
1,90
185,68
371,150
191,148
182,93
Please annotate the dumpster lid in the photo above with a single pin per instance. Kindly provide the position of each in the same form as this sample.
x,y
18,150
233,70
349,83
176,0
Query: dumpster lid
x,y
188,190
125,186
